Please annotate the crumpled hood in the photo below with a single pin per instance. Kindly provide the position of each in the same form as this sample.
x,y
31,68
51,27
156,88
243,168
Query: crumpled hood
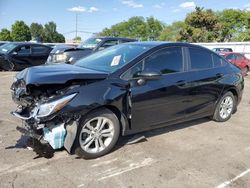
x,y
62,49
57,74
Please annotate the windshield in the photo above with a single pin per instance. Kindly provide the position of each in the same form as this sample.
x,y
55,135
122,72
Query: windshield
x,y
90,43
113,58
7,47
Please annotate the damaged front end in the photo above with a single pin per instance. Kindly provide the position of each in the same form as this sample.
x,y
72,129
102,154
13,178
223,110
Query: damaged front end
x,y
40,110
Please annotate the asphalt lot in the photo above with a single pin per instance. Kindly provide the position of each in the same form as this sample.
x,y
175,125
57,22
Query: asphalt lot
x,y
200,153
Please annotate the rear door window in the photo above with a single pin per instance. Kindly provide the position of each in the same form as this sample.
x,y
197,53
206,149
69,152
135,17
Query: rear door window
x,y
200,59
39,49
230,57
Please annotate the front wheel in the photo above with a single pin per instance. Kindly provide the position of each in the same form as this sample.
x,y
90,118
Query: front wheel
x,y
97,134
225,107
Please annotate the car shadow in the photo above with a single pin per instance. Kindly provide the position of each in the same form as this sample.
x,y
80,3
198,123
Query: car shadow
x,y
159,131
41,150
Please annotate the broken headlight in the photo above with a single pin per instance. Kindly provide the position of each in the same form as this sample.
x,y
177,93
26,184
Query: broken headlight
x,y
47,109
60,57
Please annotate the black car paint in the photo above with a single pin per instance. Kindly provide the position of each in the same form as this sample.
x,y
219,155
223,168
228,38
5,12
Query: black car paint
x,y
174,98
76,53
22,61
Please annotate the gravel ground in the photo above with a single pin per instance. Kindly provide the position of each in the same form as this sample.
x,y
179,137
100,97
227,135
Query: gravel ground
x,y
200,153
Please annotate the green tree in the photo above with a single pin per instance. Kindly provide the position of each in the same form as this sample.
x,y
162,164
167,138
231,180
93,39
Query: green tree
x,y
245,34
233,23
201,26
50,33
136,27
154,28
172,32
58,37
20,31
77,39
5,35
36,30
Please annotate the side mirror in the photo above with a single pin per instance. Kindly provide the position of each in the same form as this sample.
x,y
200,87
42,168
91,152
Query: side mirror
x,y
14,53
149,75
101,48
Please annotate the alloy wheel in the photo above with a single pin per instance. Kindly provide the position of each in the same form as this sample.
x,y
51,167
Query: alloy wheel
x,y
226,107
96,135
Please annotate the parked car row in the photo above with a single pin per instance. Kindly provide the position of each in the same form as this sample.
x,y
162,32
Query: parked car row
x,y
68,54
238,59
16,56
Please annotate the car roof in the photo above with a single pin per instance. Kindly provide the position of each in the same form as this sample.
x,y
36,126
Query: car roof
x,y
28,43
118,38
222,48
227,53
164,43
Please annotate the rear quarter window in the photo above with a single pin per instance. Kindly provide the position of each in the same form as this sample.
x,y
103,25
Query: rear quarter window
x,y
218,61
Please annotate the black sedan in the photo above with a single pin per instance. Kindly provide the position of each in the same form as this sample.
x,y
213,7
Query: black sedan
x,y
20,55
69,54
123,90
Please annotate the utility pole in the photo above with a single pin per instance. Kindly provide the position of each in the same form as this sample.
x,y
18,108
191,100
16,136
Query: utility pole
x,y
76,23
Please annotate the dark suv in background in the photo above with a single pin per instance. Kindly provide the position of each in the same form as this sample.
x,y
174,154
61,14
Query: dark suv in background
x,y
69,54
16,56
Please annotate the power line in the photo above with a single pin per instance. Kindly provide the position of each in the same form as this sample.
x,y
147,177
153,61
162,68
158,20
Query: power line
x,y
80,31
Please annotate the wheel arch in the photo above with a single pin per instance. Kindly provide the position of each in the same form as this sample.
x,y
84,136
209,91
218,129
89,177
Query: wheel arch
x,y
235,94
234,91
124,123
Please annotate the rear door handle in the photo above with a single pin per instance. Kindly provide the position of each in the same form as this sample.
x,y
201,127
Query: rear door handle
x,y
219,75
181,83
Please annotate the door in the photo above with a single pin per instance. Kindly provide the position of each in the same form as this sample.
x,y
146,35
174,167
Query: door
x,y
39,54
204,73
158,101
20,57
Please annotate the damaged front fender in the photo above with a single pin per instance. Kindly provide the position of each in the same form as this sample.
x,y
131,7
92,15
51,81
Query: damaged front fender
x,y
71,131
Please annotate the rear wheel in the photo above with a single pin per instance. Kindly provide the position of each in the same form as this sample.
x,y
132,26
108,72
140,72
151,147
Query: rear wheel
x,y
245,70
97,134
225,107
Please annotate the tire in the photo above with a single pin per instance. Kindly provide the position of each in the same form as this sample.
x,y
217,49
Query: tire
x,y
92,142
245,71
9,66
225,107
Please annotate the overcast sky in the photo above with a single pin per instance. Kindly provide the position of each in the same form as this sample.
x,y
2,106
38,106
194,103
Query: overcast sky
x,y
94,15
